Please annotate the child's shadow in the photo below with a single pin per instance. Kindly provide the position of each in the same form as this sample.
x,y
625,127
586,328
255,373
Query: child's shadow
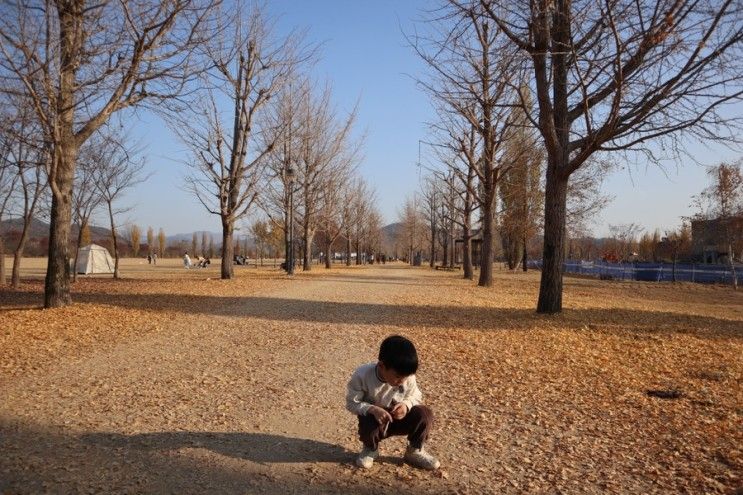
x,y
261,448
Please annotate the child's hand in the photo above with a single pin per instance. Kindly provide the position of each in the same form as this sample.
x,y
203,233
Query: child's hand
x,y
399,411
380,415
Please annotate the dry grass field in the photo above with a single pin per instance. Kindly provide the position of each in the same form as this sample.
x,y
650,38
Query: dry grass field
x,y
173,381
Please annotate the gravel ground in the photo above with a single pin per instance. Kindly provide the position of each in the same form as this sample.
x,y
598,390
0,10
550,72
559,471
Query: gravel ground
x,y
187,384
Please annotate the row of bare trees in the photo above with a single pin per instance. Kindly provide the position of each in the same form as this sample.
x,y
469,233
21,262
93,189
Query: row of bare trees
x,y
232,89
608,80
78,64
267,139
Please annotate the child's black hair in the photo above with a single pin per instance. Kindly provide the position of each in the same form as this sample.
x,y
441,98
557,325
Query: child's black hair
x,y
399,353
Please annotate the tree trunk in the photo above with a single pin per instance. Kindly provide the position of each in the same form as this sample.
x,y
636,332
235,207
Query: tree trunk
x,y
328,247
114,240
358,251
432,262
18,254
348,251
550,287
309,236
228,249
452,246
486,251
732,266
77,249
445,257
524,259
287,241
64,158
467,253
57,281
3,277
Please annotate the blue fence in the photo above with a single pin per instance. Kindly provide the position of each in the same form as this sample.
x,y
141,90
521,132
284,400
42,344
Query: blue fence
x,y
653,272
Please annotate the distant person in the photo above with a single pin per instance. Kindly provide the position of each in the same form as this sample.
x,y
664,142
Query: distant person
x,y
154,259
186,261
386,399
149,259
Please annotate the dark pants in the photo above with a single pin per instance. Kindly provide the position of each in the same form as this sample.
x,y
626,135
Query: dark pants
x,y
416,425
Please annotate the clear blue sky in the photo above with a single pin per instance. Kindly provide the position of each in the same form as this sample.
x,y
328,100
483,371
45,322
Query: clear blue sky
x,y
365,57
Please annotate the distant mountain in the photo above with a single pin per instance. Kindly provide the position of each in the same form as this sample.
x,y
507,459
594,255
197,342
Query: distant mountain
x,y
392,230
14,226
39,228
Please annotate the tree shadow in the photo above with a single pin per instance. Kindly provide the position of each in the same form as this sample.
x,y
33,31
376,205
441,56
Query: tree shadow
x,y
617,320
47,460
433,316
262,448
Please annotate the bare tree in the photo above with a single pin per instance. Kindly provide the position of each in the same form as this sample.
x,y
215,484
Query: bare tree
x,y
473,77
676,245
251,65
135,235
122,171
722,202
8,180
412,229
331,219
78,64
521,191
85,195
430,199
325,154
457,150
625,237
613,76
161,242
26,154
150,241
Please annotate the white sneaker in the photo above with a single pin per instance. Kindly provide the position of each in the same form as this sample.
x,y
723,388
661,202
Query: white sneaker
x,y
366,458
421,459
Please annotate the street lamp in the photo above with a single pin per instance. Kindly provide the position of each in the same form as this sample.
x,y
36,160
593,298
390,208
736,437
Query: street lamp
x,y
291,177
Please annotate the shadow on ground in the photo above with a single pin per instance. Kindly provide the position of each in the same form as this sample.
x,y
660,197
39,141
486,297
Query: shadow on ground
x,y
433,316
262,448
36,460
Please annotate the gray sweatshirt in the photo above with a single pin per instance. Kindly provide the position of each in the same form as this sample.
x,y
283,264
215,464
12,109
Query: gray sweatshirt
x,y
365,389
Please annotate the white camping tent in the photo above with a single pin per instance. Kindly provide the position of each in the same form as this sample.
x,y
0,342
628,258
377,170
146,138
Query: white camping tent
x,y
94,259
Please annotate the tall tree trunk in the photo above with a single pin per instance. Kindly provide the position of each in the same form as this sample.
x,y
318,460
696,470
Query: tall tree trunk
x,y
452,245
732,265
550,287
18,254
445,258
467,247
348,251
77,248
228,250
432,262
486,250
328,247
287,240
64,158
114,240
3,276
524,259
309,235
57,281
358,251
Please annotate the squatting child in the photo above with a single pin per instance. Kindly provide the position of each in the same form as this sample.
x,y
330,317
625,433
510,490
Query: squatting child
x,y
385,397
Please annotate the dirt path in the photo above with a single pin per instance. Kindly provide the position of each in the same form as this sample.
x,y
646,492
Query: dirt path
x,y
244,397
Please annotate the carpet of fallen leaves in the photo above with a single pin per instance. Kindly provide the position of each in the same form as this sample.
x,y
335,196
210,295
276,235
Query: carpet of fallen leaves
x,y
175,381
